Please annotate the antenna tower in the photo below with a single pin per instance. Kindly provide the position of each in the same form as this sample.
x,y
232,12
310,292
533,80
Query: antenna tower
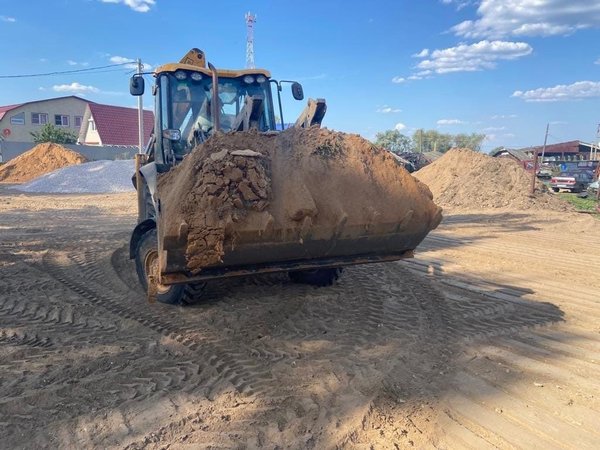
x,y
250,21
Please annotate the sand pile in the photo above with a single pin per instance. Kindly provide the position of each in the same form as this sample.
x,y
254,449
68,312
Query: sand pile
x,y
93,178
468,180
41,159
297,188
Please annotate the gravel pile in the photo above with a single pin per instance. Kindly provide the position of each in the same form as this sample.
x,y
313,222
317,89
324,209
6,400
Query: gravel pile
x,y
93,178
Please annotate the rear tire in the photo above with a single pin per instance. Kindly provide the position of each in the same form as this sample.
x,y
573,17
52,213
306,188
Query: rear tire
x,y
146,260
555,189
316,277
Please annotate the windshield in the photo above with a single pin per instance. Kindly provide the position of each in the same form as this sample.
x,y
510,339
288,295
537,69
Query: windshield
x,y
186,105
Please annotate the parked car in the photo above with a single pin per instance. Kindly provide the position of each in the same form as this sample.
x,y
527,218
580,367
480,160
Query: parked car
x,y
572,181
544,172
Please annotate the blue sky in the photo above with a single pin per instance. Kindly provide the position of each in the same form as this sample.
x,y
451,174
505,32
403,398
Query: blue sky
x,y
500,67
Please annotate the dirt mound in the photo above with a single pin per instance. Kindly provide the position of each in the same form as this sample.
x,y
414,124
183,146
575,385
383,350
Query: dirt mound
x,y
468,180
41,159
295,188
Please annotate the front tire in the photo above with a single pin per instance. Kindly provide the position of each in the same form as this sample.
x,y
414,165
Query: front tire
x,y
146,263
316,277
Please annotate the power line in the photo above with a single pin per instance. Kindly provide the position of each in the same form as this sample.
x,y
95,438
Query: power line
x,y
89,69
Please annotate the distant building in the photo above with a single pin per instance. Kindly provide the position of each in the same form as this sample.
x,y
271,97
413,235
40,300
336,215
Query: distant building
x,y
572,154
564,151
113,125
18,121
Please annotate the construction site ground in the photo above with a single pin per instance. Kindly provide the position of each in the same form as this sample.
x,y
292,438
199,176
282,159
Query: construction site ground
x,y
488,338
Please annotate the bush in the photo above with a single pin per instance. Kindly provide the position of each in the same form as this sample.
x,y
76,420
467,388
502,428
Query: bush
x,y
56,135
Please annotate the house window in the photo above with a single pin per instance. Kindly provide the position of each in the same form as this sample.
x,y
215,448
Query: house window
x,y
39,118
92,124
18,119
78,120
61,121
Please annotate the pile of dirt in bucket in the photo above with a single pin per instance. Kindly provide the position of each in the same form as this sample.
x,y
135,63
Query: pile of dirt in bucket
x,y
296,187
41,159
463,179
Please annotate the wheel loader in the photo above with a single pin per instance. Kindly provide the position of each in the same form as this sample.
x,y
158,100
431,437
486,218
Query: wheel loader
x,y
195,103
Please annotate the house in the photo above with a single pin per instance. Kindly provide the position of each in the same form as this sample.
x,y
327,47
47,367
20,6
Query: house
x,y
18,121
565,151
113,125
561,156
518,156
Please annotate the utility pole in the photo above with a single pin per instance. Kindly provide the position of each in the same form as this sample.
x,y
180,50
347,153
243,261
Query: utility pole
x,y
535,160
421,140
250,21
140,112
598,168
545,140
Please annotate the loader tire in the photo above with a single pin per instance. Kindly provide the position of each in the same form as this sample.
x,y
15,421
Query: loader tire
x,y
145,257
316,277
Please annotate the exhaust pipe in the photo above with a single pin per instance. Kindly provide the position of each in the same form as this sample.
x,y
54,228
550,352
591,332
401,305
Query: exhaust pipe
x,y
215,110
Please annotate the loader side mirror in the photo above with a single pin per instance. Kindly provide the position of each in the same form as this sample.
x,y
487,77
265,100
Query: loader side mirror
x,y
297,91
136,85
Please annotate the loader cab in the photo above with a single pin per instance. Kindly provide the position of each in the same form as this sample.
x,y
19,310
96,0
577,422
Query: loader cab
x,y
184,110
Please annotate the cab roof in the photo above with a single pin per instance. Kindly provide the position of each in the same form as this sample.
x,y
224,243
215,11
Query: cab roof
x,y
225,73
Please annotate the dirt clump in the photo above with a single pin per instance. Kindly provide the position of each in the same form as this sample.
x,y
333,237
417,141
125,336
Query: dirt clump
x,y
463,179
292,188
41,159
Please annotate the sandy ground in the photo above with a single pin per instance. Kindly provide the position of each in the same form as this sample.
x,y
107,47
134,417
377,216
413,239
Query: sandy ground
x,y
488,338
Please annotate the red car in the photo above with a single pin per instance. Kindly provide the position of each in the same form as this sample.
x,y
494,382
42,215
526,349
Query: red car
x,y
572,181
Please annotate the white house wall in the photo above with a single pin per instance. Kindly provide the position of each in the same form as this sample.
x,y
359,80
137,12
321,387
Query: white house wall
x,y
63,106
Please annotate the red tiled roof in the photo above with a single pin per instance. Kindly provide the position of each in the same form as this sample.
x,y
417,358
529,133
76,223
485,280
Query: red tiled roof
x,y
7,108
118,125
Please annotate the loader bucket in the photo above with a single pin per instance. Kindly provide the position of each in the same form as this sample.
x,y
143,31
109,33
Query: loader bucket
x,y
252,202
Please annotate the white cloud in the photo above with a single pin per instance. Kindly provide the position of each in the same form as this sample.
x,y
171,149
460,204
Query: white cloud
x,y
597,61
562,92
474,57
416,76
494,129
121,60
130,63
558,122
399,126
137,5
460,4
504,116
501,18
75,63
75,88
422,54
8,19
450,122
385,109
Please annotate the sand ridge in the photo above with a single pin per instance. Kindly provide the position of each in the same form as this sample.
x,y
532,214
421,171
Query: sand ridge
x,y
41,159
463,179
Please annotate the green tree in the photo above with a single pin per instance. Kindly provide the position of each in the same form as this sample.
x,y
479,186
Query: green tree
x,y
472,141
50,133
432,140
394,141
